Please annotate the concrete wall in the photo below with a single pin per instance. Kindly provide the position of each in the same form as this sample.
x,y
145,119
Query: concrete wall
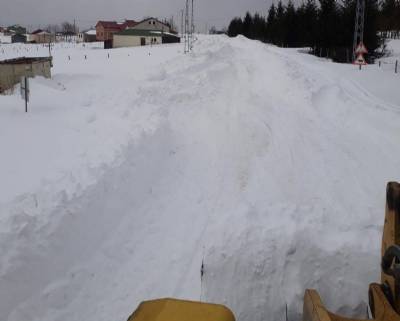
x,y
152,24
121,41
11,73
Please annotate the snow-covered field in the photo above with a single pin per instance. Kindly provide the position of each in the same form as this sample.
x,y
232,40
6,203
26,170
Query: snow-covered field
x,y
268,165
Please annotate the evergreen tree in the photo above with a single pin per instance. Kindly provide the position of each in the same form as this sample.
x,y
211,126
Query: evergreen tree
x,y
371,39
235,27
328,29
280,31
290,22
259,27
271,23
328,26
248,26
309,23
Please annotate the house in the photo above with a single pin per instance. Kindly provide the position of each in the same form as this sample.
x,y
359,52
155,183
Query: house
x,y
106,29
32,36
18,38
87,36
136,37
66,36
41,36
17,29
152,24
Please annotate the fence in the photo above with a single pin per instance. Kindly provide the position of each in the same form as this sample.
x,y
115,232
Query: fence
x,y
389,65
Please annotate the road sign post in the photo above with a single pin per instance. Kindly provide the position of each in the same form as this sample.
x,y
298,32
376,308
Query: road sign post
x,y
359,52
25,91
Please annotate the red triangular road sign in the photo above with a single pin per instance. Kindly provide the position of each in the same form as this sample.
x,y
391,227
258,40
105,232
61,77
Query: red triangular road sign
x,y
360,60
361,49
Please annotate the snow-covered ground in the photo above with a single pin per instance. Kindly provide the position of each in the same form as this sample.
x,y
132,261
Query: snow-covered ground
x,y
388,62
128,171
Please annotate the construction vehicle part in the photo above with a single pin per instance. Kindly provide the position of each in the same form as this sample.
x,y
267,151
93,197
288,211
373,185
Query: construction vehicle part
x,y
384,298
180,310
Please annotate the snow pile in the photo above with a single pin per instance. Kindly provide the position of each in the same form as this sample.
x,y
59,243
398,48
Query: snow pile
x,y
267,165
393,47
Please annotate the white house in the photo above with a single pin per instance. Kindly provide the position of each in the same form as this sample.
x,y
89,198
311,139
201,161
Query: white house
x,y
134,37
86,36
151,24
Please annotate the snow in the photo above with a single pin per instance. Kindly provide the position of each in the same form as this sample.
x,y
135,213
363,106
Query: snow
x,y
267,164
91,32
388,62
5,39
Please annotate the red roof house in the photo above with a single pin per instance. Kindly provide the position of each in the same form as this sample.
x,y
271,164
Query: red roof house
x,y
106,29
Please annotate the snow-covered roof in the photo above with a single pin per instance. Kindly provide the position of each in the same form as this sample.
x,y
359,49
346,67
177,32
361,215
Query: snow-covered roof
x,y
164,33
91,32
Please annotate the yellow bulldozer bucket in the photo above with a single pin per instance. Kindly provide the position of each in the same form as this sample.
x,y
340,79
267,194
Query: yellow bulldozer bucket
x,y
384,298
179,310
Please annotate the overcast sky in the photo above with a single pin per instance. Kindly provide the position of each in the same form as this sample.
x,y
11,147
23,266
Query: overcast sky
x,y
35,13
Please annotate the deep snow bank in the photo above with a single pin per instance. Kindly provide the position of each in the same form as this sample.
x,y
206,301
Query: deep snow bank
x,y
268,165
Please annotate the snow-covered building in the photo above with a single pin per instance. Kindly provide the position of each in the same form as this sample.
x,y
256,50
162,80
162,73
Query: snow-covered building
x,y
138,37
18,38
106,29
66,36
151,24
41,36
87,36
134,38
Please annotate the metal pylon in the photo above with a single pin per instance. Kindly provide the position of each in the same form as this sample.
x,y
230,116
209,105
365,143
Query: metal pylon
x,y
192,27
187,30
359,25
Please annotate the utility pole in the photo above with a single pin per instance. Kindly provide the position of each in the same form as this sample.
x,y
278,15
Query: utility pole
x,y
359,26
182,22
192,26
187,39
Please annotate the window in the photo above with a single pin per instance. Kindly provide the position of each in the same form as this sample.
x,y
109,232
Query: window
x,y
149,22
154,22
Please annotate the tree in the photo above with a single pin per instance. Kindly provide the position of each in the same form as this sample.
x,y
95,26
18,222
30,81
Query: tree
x,y
259,28
309,23
53,28
280,27
271,23
68,28
317,27
290,22
248,26
235,27
327,25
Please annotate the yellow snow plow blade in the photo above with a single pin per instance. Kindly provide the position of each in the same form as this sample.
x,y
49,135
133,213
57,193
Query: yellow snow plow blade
x,y
384,298
178,310
314,309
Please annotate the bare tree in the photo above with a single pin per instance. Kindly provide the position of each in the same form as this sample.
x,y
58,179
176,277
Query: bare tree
x,y
67,27
53,28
